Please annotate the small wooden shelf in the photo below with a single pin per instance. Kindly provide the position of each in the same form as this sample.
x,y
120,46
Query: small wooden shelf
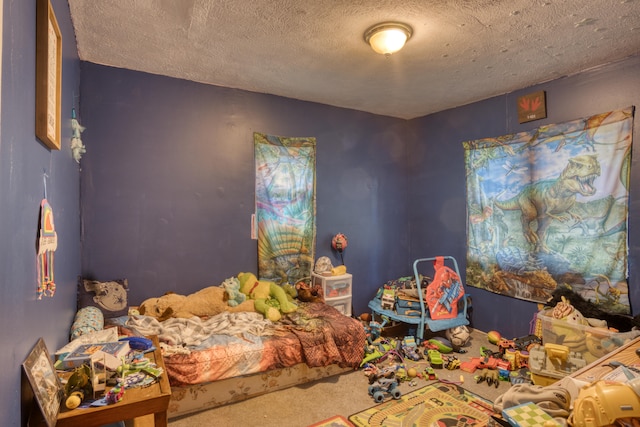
x,y
141,405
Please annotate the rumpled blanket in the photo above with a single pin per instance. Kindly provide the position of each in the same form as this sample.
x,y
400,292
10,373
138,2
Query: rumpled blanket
x,y
180,332
235,344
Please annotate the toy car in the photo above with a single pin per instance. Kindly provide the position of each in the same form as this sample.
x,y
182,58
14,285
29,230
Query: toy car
x,y
382,383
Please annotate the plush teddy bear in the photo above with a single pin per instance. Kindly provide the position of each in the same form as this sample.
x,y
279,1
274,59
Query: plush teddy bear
x,y
208,301
232,290
308,293
270,299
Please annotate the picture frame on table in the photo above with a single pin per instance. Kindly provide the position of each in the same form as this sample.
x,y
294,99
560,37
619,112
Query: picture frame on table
x,y
48,75
44,382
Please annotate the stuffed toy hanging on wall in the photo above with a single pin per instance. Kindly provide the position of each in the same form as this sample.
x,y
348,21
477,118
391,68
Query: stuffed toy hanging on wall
x,y
47,244
77,147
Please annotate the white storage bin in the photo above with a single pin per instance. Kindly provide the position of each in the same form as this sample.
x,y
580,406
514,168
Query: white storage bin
x,y
333,286
343,305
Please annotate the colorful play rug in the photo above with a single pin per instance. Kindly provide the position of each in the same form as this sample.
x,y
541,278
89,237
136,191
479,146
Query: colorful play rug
x,y
336,421
439,405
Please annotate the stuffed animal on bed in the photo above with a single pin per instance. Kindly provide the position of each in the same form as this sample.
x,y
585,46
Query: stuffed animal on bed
x,y
270,299
206,302
232,290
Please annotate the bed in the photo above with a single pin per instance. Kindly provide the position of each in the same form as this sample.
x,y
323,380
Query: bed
x,y
234,356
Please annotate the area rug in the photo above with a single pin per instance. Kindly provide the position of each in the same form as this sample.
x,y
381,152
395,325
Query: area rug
x,y
439,405
336,421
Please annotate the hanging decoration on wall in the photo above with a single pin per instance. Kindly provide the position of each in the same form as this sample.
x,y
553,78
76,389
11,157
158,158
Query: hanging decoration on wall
x,y
77,147
339,243
47,244
285,207
549,208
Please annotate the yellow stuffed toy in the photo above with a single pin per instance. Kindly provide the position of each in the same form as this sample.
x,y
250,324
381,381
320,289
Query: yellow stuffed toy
x,y
270,299
208,301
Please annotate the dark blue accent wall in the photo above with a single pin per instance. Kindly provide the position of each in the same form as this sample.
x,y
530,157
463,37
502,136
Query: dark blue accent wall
x,y
437,213
167,188
23,161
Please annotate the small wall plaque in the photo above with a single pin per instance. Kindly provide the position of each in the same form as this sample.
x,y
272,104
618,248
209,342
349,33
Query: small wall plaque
x,y
532,107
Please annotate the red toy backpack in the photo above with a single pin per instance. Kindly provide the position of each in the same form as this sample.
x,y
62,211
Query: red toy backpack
x,y
443,292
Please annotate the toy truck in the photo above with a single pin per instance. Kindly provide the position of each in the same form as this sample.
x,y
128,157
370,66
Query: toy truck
x,y
384,383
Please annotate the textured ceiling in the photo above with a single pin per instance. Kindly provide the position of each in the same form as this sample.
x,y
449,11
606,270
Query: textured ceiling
x,y
461,50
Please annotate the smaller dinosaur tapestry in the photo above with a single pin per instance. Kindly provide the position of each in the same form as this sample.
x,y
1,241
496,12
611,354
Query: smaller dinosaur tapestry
x,y
549,208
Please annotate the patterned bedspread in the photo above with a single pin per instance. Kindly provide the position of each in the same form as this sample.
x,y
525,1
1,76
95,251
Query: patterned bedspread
x,y
233,344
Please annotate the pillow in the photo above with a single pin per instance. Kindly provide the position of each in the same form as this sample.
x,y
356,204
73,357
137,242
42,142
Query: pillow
x,y
110,297
88,319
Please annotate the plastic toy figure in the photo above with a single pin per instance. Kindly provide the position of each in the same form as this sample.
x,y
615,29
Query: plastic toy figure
x,y
430,373
492,377
384,382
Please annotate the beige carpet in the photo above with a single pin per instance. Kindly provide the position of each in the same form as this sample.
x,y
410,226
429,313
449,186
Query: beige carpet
x,y
343,395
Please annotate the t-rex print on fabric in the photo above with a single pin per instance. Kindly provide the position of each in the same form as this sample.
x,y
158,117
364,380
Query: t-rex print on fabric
x,y
544,201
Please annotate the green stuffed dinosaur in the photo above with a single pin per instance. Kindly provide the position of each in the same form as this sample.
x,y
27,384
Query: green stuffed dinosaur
x,y
270,299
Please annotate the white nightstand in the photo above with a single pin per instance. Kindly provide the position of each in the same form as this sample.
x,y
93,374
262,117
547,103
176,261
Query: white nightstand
x,y
336,290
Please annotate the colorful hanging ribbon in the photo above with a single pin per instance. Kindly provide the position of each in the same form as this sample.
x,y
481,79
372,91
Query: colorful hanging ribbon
x,y
47,244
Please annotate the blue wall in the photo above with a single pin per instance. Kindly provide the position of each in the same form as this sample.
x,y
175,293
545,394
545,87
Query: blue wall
x,y
23,160
167,187
167,184
437,214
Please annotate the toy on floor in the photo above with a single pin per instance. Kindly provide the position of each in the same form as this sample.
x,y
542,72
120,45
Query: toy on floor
x,y
435,358
430,374
384,382
493,337
410,349
491,376
459,336
441,344
451,363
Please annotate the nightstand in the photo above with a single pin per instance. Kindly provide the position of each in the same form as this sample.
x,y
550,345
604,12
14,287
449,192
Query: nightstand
x,y
137,403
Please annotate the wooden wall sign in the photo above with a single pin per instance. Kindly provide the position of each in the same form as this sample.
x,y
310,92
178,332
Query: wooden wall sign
x,y
532,107
48,75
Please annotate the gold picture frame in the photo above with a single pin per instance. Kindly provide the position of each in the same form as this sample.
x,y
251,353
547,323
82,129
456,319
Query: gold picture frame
x,y
48,75
46,386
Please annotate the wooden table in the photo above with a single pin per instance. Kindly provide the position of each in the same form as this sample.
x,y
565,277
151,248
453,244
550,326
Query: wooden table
x,y
137,402
598,369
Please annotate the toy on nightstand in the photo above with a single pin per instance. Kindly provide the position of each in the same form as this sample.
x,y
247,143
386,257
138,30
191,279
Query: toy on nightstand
x,y
384,382
78,386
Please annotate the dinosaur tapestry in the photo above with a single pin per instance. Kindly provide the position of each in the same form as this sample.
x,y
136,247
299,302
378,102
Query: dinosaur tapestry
x,y
285,207
548,208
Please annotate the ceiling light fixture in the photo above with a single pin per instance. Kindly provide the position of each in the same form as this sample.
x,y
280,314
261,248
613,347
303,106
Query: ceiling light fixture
x,y
388,37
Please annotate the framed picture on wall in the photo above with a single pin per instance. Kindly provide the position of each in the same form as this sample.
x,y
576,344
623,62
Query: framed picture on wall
x,y
44,381
48,75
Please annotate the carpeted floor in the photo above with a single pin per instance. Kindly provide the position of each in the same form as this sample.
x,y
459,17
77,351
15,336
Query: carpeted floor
x,y
343,395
